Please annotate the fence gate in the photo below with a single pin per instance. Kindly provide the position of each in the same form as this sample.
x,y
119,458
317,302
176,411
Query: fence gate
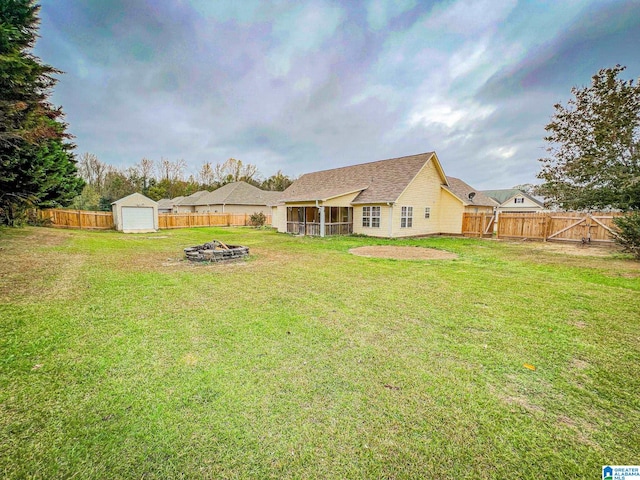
x,y
580,228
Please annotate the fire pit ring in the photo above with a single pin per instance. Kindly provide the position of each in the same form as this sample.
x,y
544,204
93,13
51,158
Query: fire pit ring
x,y
215,251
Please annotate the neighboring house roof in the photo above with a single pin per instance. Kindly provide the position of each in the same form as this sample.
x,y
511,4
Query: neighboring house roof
x,y
462,190
502,195
377,182
191,198
236,193
169,202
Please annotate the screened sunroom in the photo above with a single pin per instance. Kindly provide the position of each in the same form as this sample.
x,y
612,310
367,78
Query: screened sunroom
x,y
320,221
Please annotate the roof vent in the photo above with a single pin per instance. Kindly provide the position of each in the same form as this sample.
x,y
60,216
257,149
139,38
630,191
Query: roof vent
x,y
471,195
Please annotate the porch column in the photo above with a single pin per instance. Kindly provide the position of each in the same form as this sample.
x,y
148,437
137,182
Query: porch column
x,y
390,220
321,220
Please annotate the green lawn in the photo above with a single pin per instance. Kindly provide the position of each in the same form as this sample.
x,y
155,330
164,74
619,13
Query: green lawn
x,y
120,360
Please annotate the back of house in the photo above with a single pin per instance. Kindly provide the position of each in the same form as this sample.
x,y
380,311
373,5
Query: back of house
x,y
398,197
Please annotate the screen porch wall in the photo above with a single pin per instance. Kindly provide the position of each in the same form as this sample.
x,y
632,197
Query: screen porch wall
x,y
319,221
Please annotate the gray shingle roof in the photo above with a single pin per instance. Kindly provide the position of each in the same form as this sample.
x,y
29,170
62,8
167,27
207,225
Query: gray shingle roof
x,y
191,198
462,190
169,202
378,182
236,193
504,194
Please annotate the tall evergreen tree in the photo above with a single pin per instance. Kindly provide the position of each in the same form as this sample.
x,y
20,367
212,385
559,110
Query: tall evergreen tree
x,y
37,167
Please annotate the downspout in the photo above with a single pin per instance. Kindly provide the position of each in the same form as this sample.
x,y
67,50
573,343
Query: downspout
x,y
321,210
390,205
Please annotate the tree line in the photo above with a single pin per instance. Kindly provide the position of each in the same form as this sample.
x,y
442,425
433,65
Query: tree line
x,y
105,183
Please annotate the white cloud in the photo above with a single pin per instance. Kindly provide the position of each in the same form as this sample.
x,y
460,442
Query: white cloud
x,y
470,17
450,113
504,152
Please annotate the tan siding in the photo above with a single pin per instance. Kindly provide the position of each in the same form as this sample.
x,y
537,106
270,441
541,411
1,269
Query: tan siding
x,y
383,231
450,213
478,209
341,201
184,209
279,217
236,209
423,191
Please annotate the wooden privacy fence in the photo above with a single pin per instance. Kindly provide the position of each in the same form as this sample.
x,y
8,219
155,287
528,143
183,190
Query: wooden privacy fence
x,y
104,220
478,224
549,226
77,218
188,220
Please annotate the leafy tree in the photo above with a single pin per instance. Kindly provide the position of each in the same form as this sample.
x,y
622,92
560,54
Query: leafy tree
x,y
594,146
206,175
145,169
37,167
277,182
528,188
92,170
89,199
116,185
233,170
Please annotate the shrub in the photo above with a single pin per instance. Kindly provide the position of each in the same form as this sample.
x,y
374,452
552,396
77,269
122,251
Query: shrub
x,y
628,230
258,219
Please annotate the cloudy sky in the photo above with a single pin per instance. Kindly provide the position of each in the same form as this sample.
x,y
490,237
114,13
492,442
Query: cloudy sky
x,y
300,86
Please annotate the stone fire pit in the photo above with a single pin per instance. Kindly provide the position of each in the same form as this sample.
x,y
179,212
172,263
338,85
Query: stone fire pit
x,y
215,251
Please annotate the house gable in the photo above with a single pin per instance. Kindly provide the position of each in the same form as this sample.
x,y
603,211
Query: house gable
x,y
506,199
520,201
423,191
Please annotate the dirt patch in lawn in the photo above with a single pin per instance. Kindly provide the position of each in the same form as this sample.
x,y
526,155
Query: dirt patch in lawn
x,y
577,249
402,253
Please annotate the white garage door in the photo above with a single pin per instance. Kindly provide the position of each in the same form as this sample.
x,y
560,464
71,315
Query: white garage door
x,y
137,218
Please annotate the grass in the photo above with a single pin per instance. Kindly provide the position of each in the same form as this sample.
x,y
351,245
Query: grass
x,y
119,360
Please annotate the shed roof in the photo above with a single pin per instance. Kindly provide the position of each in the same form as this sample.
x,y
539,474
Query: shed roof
x,y
134,197
378,182
462,190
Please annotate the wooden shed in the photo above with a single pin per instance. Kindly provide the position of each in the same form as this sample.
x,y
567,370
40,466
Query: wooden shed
x,y
135,214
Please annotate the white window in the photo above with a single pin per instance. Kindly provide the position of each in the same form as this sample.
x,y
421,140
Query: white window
x,y
427,212
518,200
406,217
371,217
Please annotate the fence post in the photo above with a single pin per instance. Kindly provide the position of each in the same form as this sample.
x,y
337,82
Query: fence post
x,y
79,219
547,228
